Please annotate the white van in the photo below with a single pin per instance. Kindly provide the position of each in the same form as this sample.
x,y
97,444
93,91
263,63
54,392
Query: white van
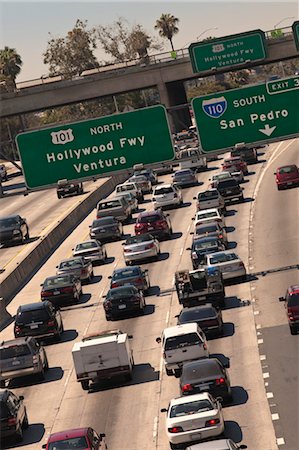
x,y
180,344
129,187
195,161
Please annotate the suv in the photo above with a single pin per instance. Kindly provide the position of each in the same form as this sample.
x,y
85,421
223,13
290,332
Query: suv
x,y
155,223
3,173
13,229
287,176
20,357
66,187
230,190
38,319
13,417
249,155
291,302
116,207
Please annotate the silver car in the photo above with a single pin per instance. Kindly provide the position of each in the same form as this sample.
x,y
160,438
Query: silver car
x,y
91,250
142,182
130,198
140,247
219,444
78,266
228,262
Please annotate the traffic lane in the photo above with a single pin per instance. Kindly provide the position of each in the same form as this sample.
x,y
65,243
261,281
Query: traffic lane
x,y
41,209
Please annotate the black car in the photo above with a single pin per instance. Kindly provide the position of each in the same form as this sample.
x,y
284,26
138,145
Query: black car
x,y
106,229
248,154
39,319
66,187
206,375
60,289
202,246
13,416
133,275
184,178
123,300
230,190
208,318
13,229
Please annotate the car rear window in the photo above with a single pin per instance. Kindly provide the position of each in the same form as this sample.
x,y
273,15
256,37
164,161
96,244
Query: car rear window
x,y
227,183
62,280
126,273
222,257
198,314
182,340
149,219
103,222
34,315
77,443
201,245
191,408
139,239
125,187
293,300
120,293
108,205
202,370
210,195
86,246
164,190
14,351
289,169
72,264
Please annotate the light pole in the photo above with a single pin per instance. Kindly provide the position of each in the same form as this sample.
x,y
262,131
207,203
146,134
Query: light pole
x,y
197,37
282,20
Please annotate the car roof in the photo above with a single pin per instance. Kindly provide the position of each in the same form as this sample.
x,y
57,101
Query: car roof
x,y
199,307
75,432
197,363
72,259
226,252
190,398
53,277
219,444
88,240
178,330
150,213
204,211
165,185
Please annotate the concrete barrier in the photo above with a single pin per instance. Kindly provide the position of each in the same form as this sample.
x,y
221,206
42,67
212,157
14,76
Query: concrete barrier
x,y
21,272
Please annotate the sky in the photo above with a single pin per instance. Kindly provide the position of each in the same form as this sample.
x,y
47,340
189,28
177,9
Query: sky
x,y
25,25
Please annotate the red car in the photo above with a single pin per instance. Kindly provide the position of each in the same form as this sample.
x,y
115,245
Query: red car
x,y
155,223
291,302
77,439
235,164
287,176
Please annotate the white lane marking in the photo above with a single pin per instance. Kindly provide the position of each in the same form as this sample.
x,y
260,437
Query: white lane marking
x,y
188,229
181,251
102,292
280,441
161,366
167,317
256,313
260,341
155,428
275,416
115,264
68,377
85,331
269,395
262,357
266,375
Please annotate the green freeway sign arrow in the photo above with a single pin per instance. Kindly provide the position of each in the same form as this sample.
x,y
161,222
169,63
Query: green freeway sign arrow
x,y
90,148
261,113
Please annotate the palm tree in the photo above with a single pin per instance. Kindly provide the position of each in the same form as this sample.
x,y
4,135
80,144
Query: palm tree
x,y
167,26
10,64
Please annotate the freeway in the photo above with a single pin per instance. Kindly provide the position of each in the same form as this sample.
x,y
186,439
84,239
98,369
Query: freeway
x,y
129,414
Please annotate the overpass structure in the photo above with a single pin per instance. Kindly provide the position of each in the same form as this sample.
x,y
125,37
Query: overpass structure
x,y
164,73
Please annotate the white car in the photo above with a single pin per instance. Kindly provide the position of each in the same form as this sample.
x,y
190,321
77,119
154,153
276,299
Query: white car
x,y
219,444
192,419
91,250
209,215
129,187
167,195
228,262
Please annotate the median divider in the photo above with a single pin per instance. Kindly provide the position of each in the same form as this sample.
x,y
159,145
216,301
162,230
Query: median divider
x,y
18,273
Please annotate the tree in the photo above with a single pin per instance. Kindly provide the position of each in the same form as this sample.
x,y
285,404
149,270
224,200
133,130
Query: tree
x,y
125,43
167,27
71,55
10,65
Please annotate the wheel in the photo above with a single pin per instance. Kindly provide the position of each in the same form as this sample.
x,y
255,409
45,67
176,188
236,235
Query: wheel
x,y
19,435
279,188
242,198
41,375
85,385
25,424
293,329
128,263
169,372
58,196
177,373
108,318
175,446
46,366
27,235
2,384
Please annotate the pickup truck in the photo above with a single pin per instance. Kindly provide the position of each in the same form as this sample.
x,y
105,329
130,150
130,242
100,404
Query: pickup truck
x,y
102,356
200,286
210,199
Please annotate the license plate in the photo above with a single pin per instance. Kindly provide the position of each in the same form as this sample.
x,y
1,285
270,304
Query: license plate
x,y
150,228
228,192
289,183
16,363
102,231
203,387
122,306
56,292
33,327
195,436
230,268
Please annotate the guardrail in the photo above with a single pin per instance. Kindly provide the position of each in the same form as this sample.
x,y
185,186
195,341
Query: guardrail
x,y
158,58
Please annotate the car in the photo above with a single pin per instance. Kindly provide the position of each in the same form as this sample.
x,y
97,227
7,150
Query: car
x,y
133,275
3,173
13,229
235,164
210,229
219,177
248,154
142,182
106,229
202,246
193,419
291,303
130,198
206,375
116,207
91,250
210,199
22,357
13,415
167,195
184,178
192,159
163,169
122,300
287,176
61,289
39,319
230,190
219,444
148,173
76,439
154,222
207,317
129,187
228,262
140,247
65,187
78,266
209,215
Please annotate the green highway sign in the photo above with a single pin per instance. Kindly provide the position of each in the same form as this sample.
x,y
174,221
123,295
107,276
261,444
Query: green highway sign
x,y
295,28
93,147
261,113
233,50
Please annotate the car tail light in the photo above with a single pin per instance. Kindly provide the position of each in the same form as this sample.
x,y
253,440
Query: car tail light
x,y
162,223
212,422
12,421
220,381
140,226
241,264
46,293
35,359
114,284
220,236
67,289
107,305
17,329
290,315
147,247
175,430
205,346
187,387
51,323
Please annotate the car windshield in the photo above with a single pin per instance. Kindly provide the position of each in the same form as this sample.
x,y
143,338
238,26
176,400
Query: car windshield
x,y
103,222
34,315
139,239
126,273
289,169
293,300
222,258
149,218
182,340
63,280
109,204
197,314
86,246
77,443
195,407
164,190
14,351
8,222
126,291
71,264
